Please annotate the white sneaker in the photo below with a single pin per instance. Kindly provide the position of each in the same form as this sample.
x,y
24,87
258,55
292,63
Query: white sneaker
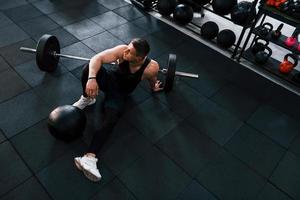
x,y
89,167
84,101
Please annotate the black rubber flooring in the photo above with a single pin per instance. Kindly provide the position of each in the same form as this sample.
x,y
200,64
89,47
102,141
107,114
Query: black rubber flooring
x,y
231,134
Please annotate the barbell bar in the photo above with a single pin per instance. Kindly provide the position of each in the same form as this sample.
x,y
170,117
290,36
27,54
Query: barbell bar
x,y
48,54
164,70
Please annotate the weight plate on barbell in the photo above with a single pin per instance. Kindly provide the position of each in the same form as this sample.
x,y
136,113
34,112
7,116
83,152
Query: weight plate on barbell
x,y
170,73
45,59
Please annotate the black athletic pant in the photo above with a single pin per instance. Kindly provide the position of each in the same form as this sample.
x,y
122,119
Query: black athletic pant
x,y
113,105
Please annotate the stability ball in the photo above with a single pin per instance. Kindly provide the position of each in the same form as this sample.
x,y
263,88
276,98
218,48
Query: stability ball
x,y
223,7
183,14
166,7
66,123
209,30
226,38
241,12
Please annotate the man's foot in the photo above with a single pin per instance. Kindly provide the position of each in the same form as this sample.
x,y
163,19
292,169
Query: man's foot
x,y
84,101
89,167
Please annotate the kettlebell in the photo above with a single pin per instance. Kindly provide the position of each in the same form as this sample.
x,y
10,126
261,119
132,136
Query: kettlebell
x,y
262,56
287,66
277,33
291,41
265,29
259,46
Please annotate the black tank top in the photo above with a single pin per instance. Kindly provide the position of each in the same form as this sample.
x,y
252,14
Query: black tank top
x,y
126,80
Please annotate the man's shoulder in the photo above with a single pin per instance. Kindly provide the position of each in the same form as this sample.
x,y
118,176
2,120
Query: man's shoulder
x,y
153,64
152,68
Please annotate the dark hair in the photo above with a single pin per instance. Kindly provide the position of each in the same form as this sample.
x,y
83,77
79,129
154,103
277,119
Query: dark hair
x,y
141,46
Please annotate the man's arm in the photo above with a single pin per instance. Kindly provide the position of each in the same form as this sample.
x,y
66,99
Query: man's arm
x,y
151,75
106,56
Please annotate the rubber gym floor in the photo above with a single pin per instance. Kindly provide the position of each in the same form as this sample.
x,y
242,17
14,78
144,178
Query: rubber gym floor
x,y
231,134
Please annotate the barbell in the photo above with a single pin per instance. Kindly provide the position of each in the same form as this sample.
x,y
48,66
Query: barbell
x,y
48,53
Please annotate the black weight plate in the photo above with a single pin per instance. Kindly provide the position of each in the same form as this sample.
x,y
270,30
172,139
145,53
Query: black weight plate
x,y
46,46
170,73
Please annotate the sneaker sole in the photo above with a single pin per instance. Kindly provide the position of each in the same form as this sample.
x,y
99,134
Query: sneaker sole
x,y
91,176
87,174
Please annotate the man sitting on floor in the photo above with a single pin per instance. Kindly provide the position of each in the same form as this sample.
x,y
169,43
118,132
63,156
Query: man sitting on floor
x,y
117,83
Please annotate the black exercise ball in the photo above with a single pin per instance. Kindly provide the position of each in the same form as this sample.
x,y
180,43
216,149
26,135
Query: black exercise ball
x,y
166,7
223,7
209,30
226,38
201,2
66,123
241,12
183,14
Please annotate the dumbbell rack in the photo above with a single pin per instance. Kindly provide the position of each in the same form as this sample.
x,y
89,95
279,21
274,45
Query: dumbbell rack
x,y
272,66
195,28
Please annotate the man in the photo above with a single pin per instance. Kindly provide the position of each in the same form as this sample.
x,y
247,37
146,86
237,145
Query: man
x,y
117,83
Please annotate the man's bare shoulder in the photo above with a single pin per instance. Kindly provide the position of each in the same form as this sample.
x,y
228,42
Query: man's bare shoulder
x,y
152,69
153,65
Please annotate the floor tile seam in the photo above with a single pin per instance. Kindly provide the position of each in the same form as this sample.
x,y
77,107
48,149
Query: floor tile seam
x,y
20,21
184,170
7,46
230,153
252,168
244,164
207,189
202,92
98,190
195,113
18,74
282,112
141,157
5,137
106,184
280,189
49,163
30,170
127,188
81,41
26,129
267,136
104,28
211,98
14,69
121,39
243,120
54,11
114,8
15,187
44,15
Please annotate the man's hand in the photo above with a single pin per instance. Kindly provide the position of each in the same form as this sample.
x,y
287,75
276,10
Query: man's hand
x,y
92,88
157,86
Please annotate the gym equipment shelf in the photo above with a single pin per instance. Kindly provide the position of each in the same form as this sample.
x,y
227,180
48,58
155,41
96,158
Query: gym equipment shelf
x,y
277,14
272,65
279,41
207,7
